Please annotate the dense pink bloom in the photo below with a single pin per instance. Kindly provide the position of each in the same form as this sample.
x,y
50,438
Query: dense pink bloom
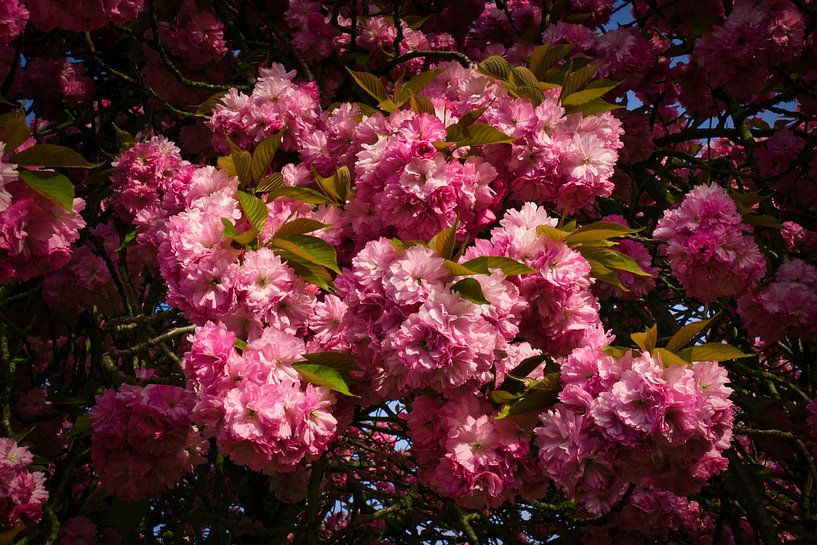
x,y
785,306
13,19
709,248
22,492
83,14
465,453
54,85
621,420
36,234
276,103
78,531
196,36
254,402
754,37
562,312
143,439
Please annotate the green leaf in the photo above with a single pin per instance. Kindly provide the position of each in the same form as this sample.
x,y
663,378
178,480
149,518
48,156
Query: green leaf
x,y
458,270
612,259
206,107
240,344
647,339
415,22
615,351
50,185
479,134
270,183
712,352
762,220
81,427
321,375
337,186
15,132
419,82
539,397
308,271
668,357
311,249
576,80
443,242
497,67
302,194
298,226
521,76
503,396
124,139
526,367
595,90
49,155
263,154
682,337
544,58
534,94
422,105
470,289
469,118
387,105
254,209
127,240
241,238
597,106
243,165
552,232
601,230
342,361
370,83
507,265
227,165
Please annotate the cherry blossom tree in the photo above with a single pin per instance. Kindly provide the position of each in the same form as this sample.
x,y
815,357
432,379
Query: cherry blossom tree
x,y
408,271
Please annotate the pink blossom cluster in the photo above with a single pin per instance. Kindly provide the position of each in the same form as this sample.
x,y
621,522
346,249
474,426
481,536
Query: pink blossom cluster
x,y
407,187
78,531
209,278
82,15
86,281
36,233
561,311
779,160
54,85
22,492
411,330
785,306
566,159
143,441
13,19
412,188
620,420
148,182
276,104
465,452
709,247
253,400
755,36
651,514
312,33
377,35
196,36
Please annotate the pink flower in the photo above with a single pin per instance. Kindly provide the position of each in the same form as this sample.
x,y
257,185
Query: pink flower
x,y
785,306
708,245
142,439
